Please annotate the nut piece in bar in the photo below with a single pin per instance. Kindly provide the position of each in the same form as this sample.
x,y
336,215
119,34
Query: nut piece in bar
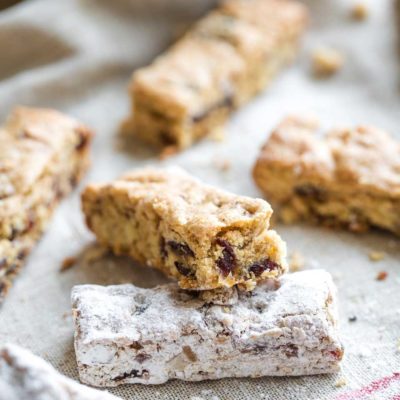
x,y
222,62
125,334
203,236
24,376
347,177
43,155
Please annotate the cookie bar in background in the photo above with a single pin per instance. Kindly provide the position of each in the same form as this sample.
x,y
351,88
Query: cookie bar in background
x,y
203,236
222,62
125,334
347,177
25,376
43,155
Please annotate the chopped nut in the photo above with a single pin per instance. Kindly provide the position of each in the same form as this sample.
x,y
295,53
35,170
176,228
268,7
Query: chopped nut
x,y
359,12
296,262
68,263
167,152
382,275
341,382
326,62
376,255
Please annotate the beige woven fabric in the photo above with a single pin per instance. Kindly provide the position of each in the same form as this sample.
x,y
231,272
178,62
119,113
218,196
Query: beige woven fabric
x,y
78,55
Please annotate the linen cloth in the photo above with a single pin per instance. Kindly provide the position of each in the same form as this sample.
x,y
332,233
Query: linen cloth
x,y
77,56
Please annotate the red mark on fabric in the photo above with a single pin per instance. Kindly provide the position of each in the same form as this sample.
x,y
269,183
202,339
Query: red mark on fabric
x,y
373,387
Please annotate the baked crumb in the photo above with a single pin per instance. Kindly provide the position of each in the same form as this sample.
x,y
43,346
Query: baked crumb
x,y
376,255
66,315
167,152
296,262
382,275
341,382
223,165
359,12
326,62
68,263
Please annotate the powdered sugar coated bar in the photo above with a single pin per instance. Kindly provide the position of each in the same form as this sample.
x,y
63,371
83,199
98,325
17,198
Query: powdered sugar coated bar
x,y
24,376
126,334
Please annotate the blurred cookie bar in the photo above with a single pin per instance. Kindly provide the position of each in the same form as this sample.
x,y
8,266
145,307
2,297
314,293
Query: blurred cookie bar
x,y
347,177
205,237
125,334
25,376
43,154
225,60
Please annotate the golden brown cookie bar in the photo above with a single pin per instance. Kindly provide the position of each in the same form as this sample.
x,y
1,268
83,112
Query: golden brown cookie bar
x,y
348,177
43,154
227,58
205,237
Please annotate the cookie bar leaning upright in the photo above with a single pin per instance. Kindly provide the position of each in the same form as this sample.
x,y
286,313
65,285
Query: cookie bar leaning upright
x,y
205,237
24,376
122,334
347,177
223,61
43,155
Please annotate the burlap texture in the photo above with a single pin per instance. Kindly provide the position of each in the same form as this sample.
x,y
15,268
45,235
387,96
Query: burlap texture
x,y
77,56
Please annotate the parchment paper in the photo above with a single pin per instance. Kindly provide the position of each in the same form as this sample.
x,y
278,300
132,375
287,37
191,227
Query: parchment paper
x,y
77,56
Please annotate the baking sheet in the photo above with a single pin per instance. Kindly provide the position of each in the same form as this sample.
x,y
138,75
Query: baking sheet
x,y
77,56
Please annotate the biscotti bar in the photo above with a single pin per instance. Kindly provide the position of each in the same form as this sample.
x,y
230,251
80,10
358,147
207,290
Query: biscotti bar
x,y
24,376
227,58
348,177
43,155
203,236
125,334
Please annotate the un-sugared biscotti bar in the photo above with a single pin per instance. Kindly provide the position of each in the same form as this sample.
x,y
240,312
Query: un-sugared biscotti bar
x,y
125,334
347,177
222,62
203,236
43,155
24,376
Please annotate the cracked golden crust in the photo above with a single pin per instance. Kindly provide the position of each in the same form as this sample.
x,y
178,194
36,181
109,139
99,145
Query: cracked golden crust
x,y
346,164
29,140
203,236
43,155
223,61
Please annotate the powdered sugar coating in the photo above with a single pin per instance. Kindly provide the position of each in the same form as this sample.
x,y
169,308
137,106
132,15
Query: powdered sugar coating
x,y
126,334
25,376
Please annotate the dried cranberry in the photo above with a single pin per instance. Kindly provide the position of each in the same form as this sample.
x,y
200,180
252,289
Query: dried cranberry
x,y
227,262
142,357
182,269
163,250
181,249
310,191
132,374
260,266
83,139
291,350
338,354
